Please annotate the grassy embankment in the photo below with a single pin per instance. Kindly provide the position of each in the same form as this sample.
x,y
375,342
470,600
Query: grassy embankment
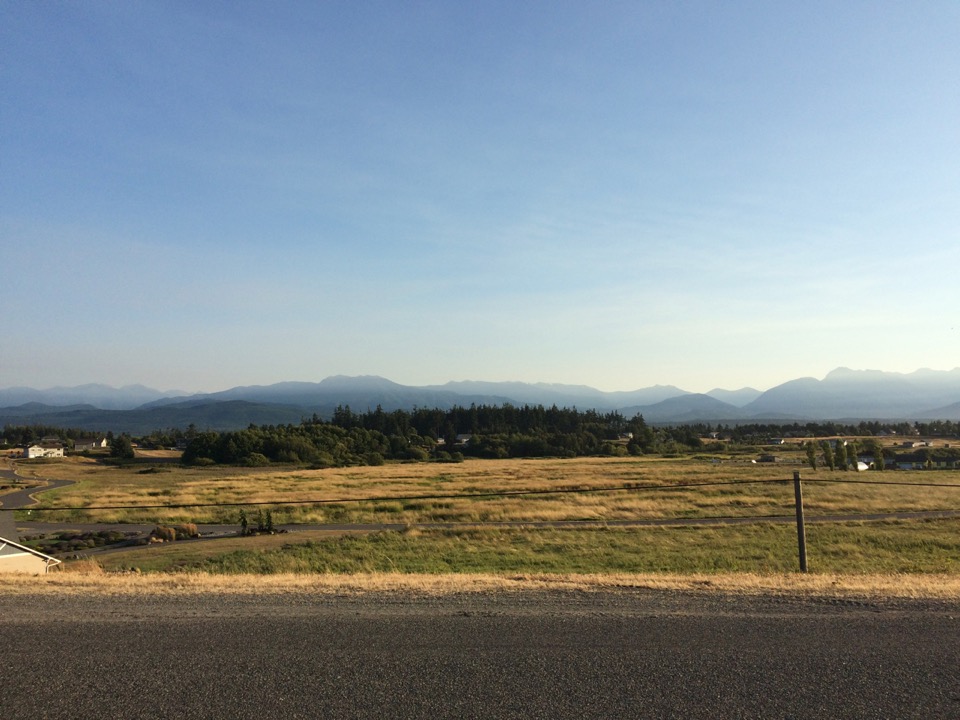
x,y
910,546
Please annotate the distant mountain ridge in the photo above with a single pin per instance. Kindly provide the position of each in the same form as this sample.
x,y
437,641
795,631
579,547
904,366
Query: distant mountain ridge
x,y
100,396
843,394
869,394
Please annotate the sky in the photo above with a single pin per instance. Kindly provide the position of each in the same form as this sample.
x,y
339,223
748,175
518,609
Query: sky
x,y
196,196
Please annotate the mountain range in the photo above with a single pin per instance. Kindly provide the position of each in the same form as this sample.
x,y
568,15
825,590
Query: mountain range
x,y
843,394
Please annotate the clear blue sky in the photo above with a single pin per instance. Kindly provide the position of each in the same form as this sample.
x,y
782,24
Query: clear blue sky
x,y
202,195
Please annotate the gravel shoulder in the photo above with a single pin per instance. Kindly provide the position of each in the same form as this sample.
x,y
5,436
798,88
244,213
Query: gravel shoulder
x,y
27,607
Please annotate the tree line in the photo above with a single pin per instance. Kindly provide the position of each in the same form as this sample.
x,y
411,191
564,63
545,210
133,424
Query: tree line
x,y
376,436
484,431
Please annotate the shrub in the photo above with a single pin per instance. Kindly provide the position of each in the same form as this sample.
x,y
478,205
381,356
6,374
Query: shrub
x,y
164,534
184,531
417,453
373,458
323,460
256,460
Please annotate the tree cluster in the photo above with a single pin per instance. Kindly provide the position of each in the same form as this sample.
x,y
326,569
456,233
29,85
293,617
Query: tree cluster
x,y
506,431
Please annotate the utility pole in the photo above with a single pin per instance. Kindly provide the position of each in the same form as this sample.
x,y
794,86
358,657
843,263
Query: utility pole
x,y
801,533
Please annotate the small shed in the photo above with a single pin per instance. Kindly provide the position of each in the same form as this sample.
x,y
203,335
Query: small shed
x,y
17,558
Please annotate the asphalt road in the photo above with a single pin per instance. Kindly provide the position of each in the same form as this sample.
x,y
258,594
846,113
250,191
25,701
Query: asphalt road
x,y
25,497
637,654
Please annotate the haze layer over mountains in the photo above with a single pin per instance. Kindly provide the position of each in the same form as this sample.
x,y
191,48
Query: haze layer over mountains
x,y
843,394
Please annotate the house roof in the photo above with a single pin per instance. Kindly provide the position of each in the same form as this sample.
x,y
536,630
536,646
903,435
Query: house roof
x,y
9,547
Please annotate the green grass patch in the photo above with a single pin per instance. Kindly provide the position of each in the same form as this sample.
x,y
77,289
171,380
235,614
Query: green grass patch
x,y
916,547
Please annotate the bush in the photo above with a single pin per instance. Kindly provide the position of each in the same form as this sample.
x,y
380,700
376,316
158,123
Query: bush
x,y
323,460
256,460
164,534
185,531
373,458
613,449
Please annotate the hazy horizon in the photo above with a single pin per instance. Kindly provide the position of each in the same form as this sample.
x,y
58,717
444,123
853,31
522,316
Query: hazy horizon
x,y
199,196
445,382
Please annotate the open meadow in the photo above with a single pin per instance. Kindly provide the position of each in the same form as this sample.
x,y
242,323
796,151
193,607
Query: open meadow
x,y
590,491
408,493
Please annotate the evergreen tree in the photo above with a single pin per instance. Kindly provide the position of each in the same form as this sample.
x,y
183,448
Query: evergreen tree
x,y
828,455
840,455
121,447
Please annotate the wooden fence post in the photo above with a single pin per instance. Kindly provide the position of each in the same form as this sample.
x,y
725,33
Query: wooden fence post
x,y
801,532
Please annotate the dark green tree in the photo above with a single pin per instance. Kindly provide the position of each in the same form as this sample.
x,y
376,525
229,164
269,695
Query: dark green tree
x,y
828,455
840,455
853,453
121,447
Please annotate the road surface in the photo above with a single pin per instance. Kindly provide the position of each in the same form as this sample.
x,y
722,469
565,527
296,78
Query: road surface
x,y
632,654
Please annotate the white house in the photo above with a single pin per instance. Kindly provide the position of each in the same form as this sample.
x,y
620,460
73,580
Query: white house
x,y
44,449
17,558
97,443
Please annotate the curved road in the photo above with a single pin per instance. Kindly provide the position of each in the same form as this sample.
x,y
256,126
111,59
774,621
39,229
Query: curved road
x,y
24,498
633,654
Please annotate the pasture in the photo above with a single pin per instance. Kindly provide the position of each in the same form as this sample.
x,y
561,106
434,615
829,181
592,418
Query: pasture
x,y
592,491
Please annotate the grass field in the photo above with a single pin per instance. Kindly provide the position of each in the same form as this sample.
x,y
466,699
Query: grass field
x,y
345,493
931,546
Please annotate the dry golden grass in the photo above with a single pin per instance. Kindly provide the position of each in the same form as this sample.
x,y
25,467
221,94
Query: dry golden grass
x,y
92,580
172,485
168,455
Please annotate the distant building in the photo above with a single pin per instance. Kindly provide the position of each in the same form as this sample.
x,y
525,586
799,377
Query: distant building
x,y
82,444
44,449
924,461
